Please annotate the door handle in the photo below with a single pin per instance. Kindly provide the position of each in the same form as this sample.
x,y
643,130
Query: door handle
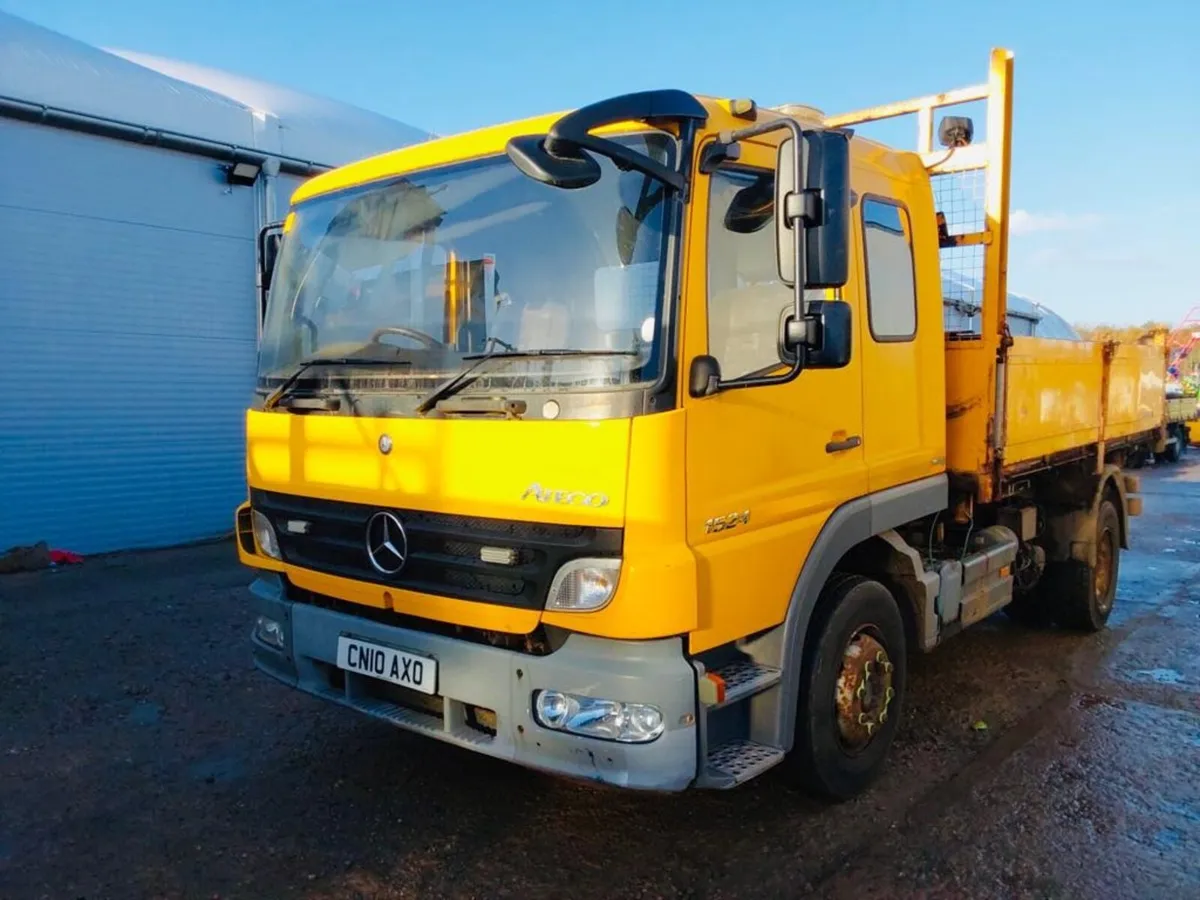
x,y
848,444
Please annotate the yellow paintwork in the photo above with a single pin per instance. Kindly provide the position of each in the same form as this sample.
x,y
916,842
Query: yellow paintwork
x,y
1053,397
904,382
970,365
920,407
482,468
1136,390
763,449
457,466
442,151
1055,391
656,594
970,402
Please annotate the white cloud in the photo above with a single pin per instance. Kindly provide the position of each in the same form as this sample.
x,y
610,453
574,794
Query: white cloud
x,y
1022,221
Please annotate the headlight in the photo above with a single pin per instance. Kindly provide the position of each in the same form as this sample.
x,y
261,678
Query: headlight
x,y
270,632
584,585
264,534
629,723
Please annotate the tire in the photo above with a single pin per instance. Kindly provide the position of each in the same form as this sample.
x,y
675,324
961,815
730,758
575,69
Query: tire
x,y
1173,450
824,759
1083,595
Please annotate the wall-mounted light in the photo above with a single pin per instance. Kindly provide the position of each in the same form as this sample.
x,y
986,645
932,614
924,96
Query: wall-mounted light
x,y
243,173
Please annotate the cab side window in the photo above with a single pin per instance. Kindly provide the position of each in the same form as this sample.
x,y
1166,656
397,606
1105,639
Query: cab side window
x,y
745,296
891,290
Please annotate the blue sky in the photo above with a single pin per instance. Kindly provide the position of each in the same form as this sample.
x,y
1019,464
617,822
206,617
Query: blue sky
x,y
1107,129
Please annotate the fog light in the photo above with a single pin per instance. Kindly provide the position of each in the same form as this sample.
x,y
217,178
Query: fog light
x,y
610,720
584,585
270,632
264,535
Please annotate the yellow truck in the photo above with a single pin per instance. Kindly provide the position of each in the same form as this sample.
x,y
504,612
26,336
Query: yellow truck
x,y
630,443
1181,413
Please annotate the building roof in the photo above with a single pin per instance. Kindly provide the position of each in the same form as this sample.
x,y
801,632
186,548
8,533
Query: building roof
x,y
42,67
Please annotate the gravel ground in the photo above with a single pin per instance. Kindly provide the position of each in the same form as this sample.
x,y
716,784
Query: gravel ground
x,y
142,756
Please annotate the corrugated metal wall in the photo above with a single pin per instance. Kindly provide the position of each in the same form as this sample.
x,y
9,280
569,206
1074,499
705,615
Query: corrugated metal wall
x,y
127,322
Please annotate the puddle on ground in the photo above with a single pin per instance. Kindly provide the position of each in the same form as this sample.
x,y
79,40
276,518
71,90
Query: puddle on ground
x,y
1158,676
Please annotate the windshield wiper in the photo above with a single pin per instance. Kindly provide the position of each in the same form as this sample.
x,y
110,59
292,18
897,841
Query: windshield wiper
x,y
278,394
459,381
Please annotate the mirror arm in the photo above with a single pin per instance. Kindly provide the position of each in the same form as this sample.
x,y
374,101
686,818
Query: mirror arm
x,y
799,203
719,151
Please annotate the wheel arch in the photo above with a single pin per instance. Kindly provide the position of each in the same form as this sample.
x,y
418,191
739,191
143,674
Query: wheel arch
x,y
862,522
1073,533
1112,487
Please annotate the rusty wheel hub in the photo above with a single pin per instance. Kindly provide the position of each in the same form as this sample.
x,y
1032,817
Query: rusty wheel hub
x,y
864,690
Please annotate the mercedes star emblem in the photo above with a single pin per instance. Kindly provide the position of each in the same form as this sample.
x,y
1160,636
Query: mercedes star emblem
x,y
385,444
387,544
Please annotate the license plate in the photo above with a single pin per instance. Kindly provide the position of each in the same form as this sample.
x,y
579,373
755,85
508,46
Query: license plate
x,y
388,664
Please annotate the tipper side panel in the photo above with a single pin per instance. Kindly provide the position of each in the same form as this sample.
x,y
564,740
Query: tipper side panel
x,y
1136,390
1054,397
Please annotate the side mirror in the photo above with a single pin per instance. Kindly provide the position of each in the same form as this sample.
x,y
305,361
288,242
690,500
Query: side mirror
x,y
832,330
269,241
819,206
824,335
704,376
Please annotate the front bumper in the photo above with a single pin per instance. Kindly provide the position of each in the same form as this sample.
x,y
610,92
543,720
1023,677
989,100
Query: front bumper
x,y
504,682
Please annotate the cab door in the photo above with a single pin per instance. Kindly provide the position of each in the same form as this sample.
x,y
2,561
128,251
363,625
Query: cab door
x,y
766,464
903,358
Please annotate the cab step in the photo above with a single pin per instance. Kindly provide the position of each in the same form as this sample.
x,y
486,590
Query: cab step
x,y
736,681
738,761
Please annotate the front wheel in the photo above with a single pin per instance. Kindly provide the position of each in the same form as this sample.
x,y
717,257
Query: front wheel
x,y
851,688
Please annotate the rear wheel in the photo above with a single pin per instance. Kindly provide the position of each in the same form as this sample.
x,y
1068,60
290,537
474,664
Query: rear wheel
x,y
1083,595
851,688
1174,449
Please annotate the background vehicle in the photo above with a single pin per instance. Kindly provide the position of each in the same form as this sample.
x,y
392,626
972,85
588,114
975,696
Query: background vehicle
x,y
631,444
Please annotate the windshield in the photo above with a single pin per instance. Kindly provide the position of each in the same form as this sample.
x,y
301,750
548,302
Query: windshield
x,y
429,269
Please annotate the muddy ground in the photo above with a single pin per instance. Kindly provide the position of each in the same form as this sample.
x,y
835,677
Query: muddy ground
x,y
141,756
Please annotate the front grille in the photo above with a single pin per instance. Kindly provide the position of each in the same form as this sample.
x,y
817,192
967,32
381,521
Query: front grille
x,y
443,550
